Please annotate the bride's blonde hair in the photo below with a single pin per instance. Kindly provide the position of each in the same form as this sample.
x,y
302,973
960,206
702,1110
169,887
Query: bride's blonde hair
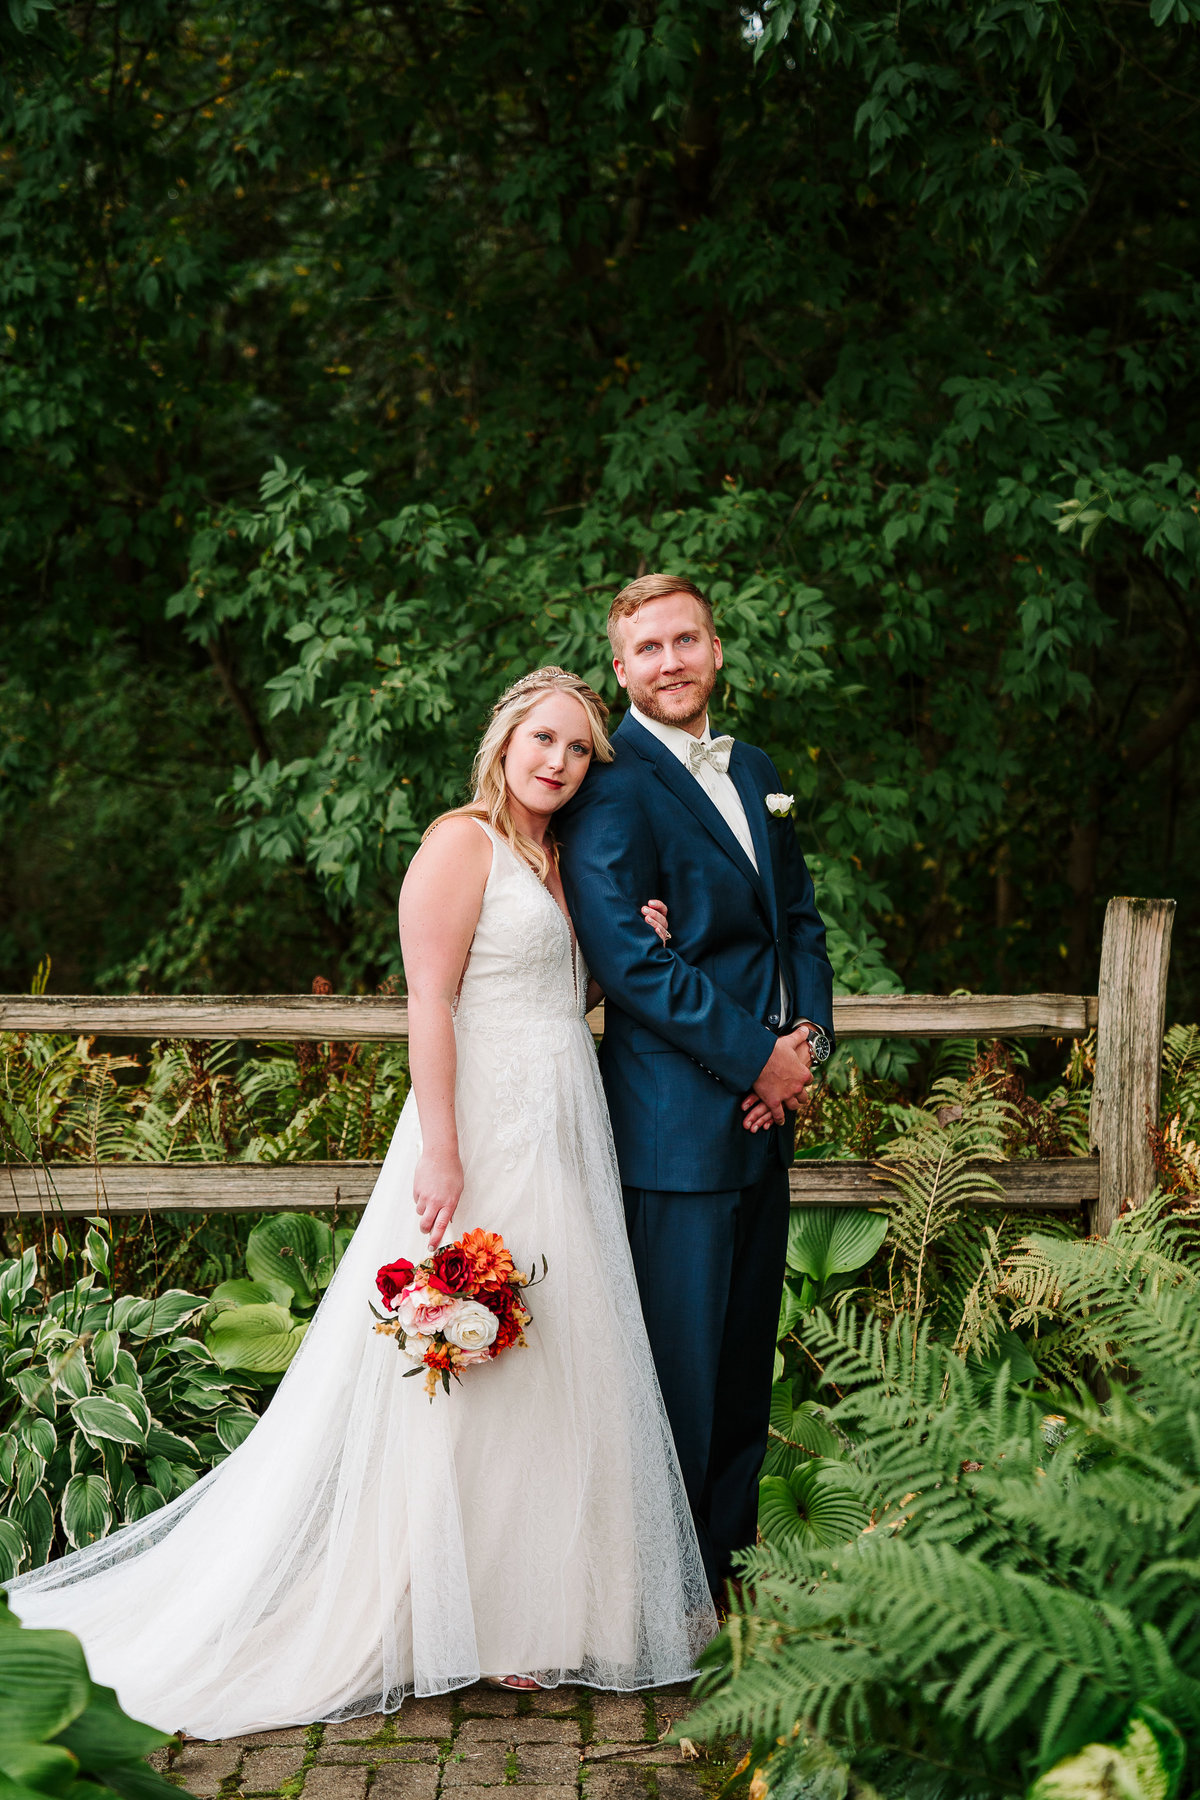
x,y
491,800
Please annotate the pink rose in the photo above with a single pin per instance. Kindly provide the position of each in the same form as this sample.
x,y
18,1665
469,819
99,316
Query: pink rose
x,y
424,1310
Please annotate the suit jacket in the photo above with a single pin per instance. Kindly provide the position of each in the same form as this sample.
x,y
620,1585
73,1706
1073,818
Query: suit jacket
x,y
690,1025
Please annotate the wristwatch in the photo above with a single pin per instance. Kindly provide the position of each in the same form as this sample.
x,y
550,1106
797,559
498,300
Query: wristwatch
x,y
820,1048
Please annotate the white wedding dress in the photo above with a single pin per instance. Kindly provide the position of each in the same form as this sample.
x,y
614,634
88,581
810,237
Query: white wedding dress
x,y
366,1542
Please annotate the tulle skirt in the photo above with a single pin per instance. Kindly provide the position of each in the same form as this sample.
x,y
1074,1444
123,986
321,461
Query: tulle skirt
x,y
365,1541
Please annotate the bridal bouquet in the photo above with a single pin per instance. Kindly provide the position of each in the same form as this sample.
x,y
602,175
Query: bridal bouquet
x,y
461,1306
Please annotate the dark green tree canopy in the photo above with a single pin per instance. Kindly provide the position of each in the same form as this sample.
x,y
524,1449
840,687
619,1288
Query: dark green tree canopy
x,y
882,323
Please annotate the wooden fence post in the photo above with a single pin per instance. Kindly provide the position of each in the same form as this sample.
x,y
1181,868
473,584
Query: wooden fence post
x,y
1134,955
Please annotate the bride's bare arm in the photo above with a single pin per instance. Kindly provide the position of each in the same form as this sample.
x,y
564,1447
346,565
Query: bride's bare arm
x,y
439,910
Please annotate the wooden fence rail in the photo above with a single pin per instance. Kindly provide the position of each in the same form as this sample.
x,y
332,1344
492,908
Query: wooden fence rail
x,y
372,1018
1060,1184
1127,1013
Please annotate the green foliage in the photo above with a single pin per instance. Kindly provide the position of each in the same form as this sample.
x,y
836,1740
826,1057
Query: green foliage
x,y
1145,1765
824,1241
934,1173
290,1260
63,1734
864,319
1022,1606
109,1407
197,1102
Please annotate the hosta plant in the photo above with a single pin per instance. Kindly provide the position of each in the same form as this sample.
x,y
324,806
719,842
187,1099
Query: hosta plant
x,y
62,1735
261,1319
803,1491
109,1406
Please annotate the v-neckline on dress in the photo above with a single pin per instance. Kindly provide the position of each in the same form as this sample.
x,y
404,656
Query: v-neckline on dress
x,y
565,916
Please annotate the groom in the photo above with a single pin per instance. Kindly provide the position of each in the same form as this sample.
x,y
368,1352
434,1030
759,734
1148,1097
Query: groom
x,y
735,1011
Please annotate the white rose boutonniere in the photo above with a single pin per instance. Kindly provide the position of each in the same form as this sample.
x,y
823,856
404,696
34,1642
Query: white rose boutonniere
x,y
780,805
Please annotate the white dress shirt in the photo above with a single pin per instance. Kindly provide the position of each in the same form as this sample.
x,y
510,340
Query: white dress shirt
x,y
720,790
718,787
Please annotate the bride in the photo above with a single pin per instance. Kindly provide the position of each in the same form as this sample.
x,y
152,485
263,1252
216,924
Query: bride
x,y
365,1541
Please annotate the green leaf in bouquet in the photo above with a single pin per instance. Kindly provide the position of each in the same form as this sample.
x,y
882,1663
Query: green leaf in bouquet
x,y
294,1249
263,1339
86,1509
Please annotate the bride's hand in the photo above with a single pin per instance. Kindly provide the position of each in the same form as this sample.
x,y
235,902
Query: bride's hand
x,y
437,1189
755,1113
655,914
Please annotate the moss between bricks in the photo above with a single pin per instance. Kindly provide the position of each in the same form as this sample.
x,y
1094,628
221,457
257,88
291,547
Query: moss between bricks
x,y
710,1774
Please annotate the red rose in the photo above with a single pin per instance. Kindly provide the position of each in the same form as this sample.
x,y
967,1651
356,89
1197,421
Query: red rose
x,y
454,1270
510,1313
392,1280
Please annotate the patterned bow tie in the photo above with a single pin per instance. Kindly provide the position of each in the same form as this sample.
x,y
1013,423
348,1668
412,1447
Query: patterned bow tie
x,y
716,754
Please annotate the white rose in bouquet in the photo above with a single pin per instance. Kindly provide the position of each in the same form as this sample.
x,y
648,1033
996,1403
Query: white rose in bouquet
x,y
471,1326
415,1346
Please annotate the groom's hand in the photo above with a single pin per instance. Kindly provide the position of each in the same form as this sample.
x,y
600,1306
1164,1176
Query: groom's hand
x,y
781,1084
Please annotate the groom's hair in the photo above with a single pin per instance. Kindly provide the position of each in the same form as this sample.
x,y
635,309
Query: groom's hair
x,y
633,597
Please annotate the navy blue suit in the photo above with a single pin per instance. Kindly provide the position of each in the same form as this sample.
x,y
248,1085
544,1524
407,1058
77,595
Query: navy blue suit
x,y
688,1028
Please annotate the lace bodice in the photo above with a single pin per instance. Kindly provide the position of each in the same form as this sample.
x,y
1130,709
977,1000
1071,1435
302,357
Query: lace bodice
x,y
524,966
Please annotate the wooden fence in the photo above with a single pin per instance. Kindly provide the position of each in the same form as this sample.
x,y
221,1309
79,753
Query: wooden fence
x,y
1127,1014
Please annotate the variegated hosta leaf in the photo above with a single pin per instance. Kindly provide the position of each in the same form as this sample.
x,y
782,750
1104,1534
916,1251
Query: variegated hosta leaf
x,y
86,1509
100,1418
13,1548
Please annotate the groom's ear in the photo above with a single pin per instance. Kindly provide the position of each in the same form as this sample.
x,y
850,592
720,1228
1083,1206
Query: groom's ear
x,y
718,653
619,671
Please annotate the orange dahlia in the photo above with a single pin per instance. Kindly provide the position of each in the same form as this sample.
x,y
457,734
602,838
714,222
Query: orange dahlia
x,y
491,1264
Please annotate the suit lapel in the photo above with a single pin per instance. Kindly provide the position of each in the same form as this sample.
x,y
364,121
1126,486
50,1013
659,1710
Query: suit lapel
x,y
756,816
685,787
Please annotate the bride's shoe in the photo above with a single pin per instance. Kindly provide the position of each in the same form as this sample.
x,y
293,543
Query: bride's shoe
x,y
513,1684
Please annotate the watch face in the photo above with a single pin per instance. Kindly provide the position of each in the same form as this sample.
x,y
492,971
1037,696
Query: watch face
x,y
818,1043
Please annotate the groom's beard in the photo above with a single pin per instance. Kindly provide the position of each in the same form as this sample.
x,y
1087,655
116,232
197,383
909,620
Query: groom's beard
x,y
682,708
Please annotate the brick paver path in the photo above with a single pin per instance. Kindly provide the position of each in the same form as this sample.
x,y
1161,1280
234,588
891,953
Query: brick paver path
x,y
555,1745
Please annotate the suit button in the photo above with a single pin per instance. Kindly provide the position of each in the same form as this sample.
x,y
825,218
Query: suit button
x,y
773,1021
